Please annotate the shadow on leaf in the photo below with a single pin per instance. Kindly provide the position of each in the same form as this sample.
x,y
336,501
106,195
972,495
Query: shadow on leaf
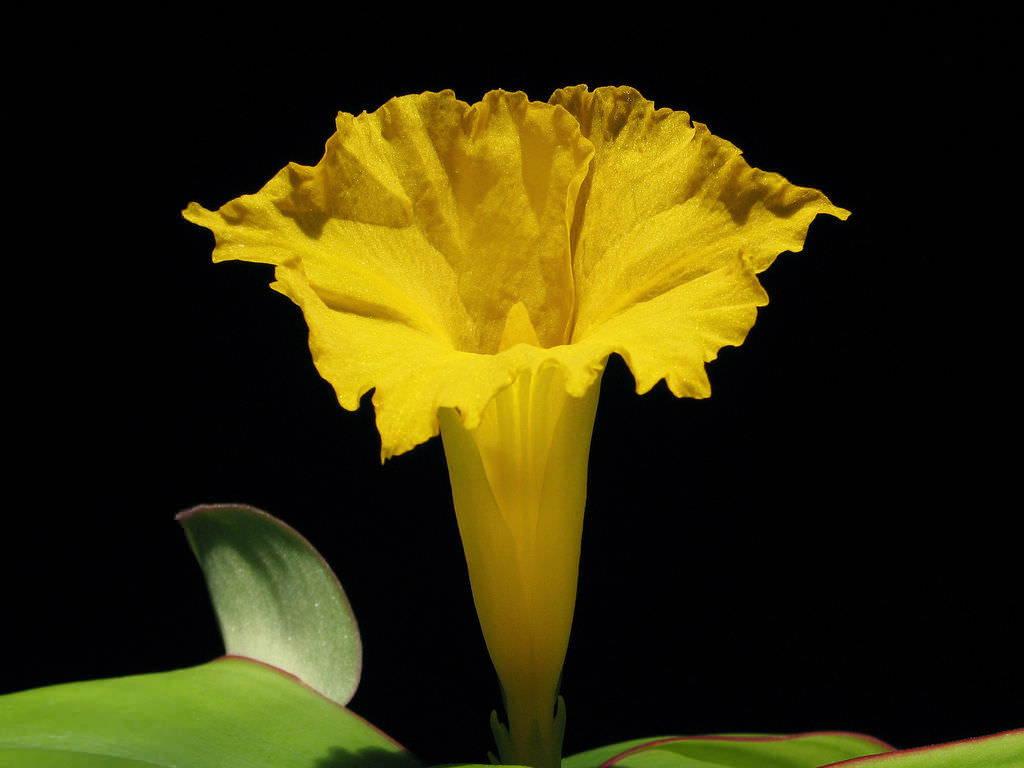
x,y
369,757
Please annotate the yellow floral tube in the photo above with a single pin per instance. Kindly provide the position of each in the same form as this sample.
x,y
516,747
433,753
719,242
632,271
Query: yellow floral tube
x,y
519,485
475,266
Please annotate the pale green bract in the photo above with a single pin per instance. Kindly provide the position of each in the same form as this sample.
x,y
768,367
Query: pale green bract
x,y
276,599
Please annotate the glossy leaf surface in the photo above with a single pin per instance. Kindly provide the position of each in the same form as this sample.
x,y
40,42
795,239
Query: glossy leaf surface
x,y
231,712
276,599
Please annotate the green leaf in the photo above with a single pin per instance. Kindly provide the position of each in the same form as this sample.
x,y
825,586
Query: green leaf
x,y
601,755
808,750
275,598
37,758
1001,750
231,712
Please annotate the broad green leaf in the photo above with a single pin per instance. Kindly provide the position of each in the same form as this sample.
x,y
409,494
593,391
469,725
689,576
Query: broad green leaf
x,y
275,598
808,750
1001,750
38,758
235,713
601,755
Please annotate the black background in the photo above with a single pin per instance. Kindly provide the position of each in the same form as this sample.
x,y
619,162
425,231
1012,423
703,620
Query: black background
x,y
827,543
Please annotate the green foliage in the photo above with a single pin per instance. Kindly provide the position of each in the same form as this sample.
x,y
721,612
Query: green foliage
x,y
280,605
1001,750
231,712
810,750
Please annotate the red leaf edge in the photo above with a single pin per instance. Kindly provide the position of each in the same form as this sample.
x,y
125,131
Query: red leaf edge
x,y
856,760
789,737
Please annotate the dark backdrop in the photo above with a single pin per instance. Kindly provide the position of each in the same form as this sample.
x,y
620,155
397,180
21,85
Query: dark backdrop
x,y
826,543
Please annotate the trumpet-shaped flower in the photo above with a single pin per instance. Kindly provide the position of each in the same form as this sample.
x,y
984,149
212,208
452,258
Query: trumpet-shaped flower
x,y
475,266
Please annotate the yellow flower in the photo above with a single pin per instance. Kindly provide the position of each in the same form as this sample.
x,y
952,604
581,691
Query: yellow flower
x,y
475,266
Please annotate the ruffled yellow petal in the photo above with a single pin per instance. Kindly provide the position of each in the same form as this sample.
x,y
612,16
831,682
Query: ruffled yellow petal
x,y
410,242
439,250
672,227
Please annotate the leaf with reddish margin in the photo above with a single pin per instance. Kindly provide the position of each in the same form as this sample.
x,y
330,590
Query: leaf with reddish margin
x,y
231,712
1000,750
275,597
805,750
